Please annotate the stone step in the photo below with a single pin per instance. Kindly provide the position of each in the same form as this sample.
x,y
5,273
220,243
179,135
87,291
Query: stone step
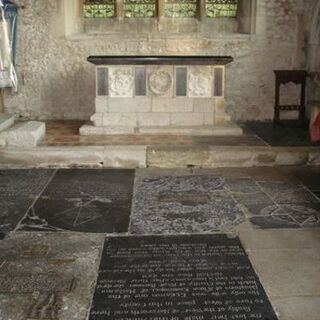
x,y
24,134
90,130
223,130
158,157
6,121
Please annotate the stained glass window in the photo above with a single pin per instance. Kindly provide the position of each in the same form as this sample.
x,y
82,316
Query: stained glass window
x,y
139,8
147,8
180,8
221,8
98,8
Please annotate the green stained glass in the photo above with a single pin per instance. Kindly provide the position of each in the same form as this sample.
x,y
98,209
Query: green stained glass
x,y
99,8
180,8
221,8
139,8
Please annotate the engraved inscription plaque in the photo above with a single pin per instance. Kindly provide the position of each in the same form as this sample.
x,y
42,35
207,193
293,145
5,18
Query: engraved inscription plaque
x,y
197,277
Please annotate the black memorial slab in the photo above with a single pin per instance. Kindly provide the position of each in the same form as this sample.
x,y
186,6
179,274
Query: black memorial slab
x,y
85,200
197,277
18,190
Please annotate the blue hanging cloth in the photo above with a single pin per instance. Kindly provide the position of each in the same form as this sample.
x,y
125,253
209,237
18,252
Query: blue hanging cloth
x,y
8,38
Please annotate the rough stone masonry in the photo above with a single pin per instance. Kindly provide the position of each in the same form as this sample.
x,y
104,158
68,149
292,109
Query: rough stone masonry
x,y
56,81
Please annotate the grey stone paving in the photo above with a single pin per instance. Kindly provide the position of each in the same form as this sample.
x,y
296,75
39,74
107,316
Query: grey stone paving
x,y
96,200
52,275
86,200
206,203
276,204
18,191
183,204
48,275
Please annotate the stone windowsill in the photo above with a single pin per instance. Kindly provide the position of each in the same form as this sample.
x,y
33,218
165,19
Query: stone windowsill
x,y
147,37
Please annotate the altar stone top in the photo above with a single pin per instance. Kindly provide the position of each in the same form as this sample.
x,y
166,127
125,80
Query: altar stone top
x,y
160,60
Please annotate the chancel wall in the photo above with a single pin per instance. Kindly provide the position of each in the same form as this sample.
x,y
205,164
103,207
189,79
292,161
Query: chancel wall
x,y
56,81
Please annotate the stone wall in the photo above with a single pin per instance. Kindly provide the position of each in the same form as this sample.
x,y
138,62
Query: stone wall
x,y
313,51
56,82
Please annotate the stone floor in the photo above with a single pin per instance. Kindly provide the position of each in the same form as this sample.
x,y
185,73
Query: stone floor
x,y
275,212
290,133
66,133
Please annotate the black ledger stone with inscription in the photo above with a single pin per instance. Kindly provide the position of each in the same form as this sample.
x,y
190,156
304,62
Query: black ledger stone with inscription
x,y
198,277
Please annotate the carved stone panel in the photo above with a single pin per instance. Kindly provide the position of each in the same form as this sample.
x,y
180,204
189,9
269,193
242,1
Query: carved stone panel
x,y
160,81
121,82
199,82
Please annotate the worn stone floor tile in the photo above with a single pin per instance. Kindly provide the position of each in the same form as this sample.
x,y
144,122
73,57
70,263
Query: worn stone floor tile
x,y
23,183
291,215
282,192
306,214
255,173
18,190
288,272
87,200
256,204
309,176
274,221
242,185
278,135
297,308
183,204
48,275
257,239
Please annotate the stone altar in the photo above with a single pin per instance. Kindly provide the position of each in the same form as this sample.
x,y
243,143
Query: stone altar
x,y
160,94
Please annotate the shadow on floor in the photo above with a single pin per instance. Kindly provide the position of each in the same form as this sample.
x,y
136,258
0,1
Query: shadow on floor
x,y
288,134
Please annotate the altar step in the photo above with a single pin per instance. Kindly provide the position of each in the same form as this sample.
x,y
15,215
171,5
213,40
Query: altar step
x,y
174,156
23,134
229,129
6,121
218,131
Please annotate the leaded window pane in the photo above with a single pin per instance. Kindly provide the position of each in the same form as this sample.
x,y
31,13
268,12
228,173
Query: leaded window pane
x,y
139,8
221,8
99,8
180,8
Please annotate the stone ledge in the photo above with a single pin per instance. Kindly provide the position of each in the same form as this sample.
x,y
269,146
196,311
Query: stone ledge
x,y
160,156
6,121
65,157
223,156
90,130
25,134
223,130
148,120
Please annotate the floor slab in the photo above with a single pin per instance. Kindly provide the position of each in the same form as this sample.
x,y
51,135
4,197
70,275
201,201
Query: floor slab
x,y
287,261
87,200
183,204
19,189
288,134
48,275
195,201
297,308
177,277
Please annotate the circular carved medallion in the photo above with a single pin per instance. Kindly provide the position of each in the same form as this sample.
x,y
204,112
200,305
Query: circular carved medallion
x,y
160,82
